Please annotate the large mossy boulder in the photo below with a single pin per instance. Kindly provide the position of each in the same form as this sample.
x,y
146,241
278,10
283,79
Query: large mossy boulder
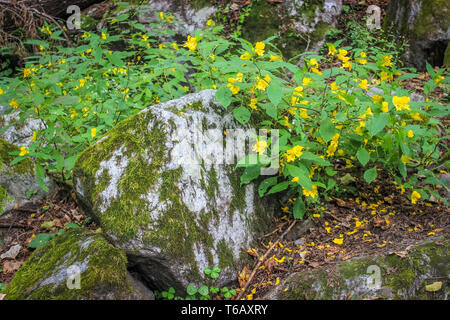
x,y
18,183
426,26
76,265
166,198
417,272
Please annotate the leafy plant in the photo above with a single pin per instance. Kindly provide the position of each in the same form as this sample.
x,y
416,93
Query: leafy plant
x,y
213,273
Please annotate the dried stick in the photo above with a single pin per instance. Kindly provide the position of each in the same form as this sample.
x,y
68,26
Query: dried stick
x,y
261,260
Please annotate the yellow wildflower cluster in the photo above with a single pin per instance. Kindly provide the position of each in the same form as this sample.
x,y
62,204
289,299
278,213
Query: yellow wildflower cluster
x,y
294,153
260,146
333,145
259,48
401,103
46,29
23,151
310,193
191,43
363,59
342,55
314,66
262,84
235,89
167,17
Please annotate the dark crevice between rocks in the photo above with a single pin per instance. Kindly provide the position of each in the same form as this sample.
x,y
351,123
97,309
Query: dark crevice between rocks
x,y
153,274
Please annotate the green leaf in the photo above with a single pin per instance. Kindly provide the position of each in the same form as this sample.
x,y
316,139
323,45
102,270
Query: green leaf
x,y
378,123
242,115
72,225
66,100
327,129
330,171
302,173
203,290
370,175
279,187
363,156
299,208
250,174
224,96
266,184
315,158
191,290
40,240
275,93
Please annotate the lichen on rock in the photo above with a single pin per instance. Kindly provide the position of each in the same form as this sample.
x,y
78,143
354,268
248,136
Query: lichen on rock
x,y
51,271
159,188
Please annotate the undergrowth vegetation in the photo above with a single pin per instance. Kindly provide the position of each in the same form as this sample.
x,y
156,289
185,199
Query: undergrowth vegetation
x,y
347,104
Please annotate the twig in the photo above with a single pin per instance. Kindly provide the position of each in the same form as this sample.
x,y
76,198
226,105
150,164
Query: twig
x,y
262,259
5,225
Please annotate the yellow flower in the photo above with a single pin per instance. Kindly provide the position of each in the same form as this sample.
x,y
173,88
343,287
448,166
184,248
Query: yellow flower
x,y
260,146
104,35
273,58
401,103
439,78
295,179
2,91
377,99
405,159
385,106
306,81
363,54
331,49
310,193
246,56
23,151
333,145
416,116
385,76
175,46
209,22
26,72
191,43
415,196
259,48
33,138
338,241
362,61
387,61
263,83
410,134
234,89
161,15
13,103
93,132
253,103
363,84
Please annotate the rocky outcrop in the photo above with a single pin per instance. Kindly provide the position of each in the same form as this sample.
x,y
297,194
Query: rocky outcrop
x,y
299,25
425,24
77,265
407,274
18,183
159,188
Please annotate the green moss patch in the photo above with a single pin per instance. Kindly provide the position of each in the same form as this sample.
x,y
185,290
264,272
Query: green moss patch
x,y
44,275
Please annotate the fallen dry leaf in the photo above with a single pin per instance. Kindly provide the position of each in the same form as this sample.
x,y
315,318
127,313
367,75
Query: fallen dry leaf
x,y
11,266
243,276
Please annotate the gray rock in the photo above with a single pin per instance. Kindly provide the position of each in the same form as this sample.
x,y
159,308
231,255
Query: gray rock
x,y
18,183
19,132
385,276
161,190
77,265
190,15
425,24
12,252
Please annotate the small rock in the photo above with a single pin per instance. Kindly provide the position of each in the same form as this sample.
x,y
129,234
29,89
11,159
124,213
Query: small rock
x,y
299,230
12,252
